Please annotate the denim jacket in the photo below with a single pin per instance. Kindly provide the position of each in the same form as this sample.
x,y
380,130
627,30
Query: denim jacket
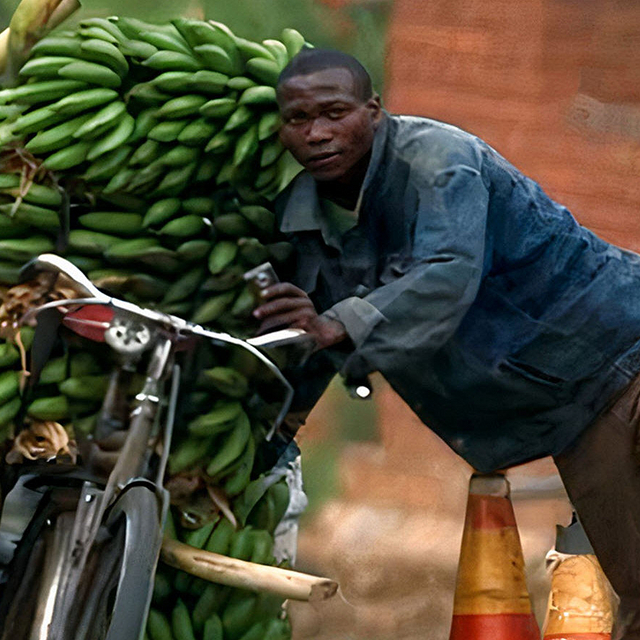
x,y
504,324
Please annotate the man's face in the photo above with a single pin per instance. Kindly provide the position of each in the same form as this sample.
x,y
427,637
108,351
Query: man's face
x,y
326,125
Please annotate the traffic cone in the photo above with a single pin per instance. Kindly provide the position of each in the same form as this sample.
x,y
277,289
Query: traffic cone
x,y
491,599
581,600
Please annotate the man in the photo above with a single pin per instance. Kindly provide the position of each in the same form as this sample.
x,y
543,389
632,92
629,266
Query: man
x,y
512,331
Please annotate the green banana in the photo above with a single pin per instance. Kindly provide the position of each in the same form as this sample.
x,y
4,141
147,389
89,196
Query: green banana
x,y
107,165
212,308
8,355
184,227
293,41
57,46
146,153
124,250
237,617
261,94
208,82
91,72
10,180
105,53
163,40
9,272
216,59
271,151
35,120
186,455
268,125
262,552
41,91
220,539
240,83
199,205
167,131
161,211
185,286
9,385
280,251
23,249
10,229
250,49
260,217
171,61
173,81
218,107
264,70
236,482
244,304
112,221
35,193
278,50
178,156
252,251
212,629
53,408
46,66
198,537
119,181
91,242
232,448
222,255
80,101
162,588
226,380
32,215
232,224
68,157
116,137
207,169
106,25
147,92
88,387
193,250
197,133
221,142
221,418
256,632
241,545
277,629
227,279
158,626
241,118
145,121
246,146
106,117
176,180
181,107
9,410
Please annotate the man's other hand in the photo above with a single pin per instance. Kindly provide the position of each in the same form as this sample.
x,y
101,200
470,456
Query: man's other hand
x,y
285,305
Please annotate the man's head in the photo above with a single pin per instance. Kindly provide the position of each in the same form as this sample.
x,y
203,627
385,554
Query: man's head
x,y
329,114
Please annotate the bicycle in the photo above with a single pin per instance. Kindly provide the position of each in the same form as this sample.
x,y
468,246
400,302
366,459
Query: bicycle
x,y
69,534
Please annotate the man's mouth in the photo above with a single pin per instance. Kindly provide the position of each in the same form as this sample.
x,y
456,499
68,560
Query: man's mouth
x,y
321,159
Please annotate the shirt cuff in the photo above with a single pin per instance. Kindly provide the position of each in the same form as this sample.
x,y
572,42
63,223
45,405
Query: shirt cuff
x,y
358,316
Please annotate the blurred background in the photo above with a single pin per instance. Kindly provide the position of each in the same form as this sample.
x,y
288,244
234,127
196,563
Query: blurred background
x,y
554,86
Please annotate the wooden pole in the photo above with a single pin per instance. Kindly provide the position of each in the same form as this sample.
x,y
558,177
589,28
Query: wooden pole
x,y
214,567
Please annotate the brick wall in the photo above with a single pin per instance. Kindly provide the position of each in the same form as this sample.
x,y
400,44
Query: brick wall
x,y
554,85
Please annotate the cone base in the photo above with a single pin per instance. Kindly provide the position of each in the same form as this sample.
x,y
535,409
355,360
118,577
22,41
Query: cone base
x,y
578,636
500,626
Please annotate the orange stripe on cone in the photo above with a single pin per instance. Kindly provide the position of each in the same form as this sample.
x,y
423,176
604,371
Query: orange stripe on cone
x,y
580,601
491,600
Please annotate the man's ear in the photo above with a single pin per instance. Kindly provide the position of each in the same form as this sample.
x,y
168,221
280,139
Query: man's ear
x,y
375,108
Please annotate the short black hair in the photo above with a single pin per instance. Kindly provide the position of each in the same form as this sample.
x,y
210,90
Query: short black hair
x,y
311,60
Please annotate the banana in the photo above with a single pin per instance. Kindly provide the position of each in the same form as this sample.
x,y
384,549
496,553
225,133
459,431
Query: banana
x,y
112,221
266,178
80,101
107,165
181,107
277,629
197,133
179,156
279,492
168,41
212,629
106,25
226,380
207,169
119,181
158,626
183,227
176,180
167,131
199,205
241,118
10,180
9,385
268,125
216,59
218,107
10,229
23,249
246,146
256,632
252,251
262,552
250,49
278,50
106,117
293,41
53,408
32,215
85,263
222,255
35,193
208,82
8,355
241,545
162,588
240,83
186,455
35,120
193,250
185,286
232,224
138,49
237,617
271,151
227,279
146,153
221,142
160,211
221,418
46,66
9,410
236,482
57,46
260,217
147,92
244,304
212,308
173,81
91,72
171,61
118,136
125,250
91,242
41,91
264,70
105,53
199,537
68,157
261,94
89,387
145,121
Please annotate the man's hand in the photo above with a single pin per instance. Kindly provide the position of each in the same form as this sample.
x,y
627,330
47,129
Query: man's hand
x,y
285,305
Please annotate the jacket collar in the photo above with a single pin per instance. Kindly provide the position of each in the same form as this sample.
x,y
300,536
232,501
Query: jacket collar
x,y
302,210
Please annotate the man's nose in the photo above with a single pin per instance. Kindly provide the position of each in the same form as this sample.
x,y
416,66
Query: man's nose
x,y
318,131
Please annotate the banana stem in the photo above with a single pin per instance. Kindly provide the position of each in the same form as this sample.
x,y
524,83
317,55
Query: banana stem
x,y
214,567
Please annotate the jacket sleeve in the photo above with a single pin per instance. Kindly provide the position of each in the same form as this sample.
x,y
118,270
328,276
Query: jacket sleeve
x,y
421,308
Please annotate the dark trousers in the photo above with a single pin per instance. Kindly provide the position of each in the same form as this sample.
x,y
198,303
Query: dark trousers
x,y
602,477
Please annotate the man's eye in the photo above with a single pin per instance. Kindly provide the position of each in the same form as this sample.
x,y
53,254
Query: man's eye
x,y
297,119
336,114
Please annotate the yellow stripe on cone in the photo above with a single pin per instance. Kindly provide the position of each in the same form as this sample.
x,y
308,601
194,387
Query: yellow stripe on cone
x,y
580,602
491,598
